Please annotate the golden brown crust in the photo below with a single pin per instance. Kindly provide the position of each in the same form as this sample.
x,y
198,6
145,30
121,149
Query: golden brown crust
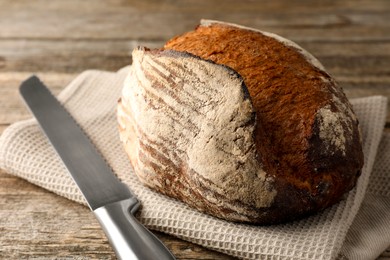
x,y
305,134
287,91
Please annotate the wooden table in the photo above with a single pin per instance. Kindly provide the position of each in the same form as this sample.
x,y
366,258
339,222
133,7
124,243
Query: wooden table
x,y
59,39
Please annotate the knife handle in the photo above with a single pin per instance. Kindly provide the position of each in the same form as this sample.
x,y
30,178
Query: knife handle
x,y
129,238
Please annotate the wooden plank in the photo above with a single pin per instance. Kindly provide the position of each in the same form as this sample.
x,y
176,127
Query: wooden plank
x,y
347,49
29,229
11,105
281,6
65,56
156,20
38,223
76,56
351,66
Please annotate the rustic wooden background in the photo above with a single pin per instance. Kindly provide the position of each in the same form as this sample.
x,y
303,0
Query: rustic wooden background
x,y
59,39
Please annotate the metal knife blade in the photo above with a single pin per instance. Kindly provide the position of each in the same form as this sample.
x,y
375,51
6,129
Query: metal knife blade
x,y
93,176
111,201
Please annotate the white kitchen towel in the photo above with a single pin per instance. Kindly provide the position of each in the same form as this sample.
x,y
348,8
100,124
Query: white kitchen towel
x,y
92,98
369,234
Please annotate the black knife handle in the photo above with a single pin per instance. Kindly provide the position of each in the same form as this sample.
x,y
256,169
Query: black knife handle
x,y
129,238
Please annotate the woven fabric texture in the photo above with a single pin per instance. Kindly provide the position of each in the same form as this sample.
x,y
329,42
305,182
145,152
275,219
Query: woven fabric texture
x,y
92,98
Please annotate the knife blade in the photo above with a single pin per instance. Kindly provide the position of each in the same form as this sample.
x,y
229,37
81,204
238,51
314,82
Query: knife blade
x,y
111,201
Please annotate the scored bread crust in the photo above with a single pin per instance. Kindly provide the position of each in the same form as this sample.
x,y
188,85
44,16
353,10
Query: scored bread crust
x,y
259,140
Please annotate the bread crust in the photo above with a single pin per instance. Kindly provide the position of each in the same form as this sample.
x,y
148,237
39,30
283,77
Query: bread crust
x,y
240,124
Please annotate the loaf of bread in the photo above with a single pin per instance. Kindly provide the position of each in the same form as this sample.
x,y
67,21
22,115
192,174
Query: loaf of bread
x,y
240,124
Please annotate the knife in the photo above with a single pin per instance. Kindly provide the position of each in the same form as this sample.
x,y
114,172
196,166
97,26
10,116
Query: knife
x,y
111,201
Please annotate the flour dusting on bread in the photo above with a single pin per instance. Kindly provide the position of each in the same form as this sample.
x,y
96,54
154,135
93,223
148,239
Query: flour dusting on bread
x,y
331,129
241,124
207,129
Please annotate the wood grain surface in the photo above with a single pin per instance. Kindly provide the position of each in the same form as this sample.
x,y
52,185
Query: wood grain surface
x,y
57,40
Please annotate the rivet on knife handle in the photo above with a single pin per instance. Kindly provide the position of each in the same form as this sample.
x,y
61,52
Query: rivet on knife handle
x,y
111,201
